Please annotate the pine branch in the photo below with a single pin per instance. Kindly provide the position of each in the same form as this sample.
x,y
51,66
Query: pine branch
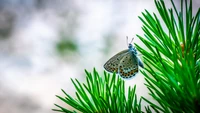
x,y
173,57
101,95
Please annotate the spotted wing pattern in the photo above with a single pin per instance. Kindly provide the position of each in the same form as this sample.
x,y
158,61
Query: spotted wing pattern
x,y
128,65
113,63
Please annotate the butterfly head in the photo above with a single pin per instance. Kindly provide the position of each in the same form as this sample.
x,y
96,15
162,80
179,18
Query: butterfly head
x,y
132,48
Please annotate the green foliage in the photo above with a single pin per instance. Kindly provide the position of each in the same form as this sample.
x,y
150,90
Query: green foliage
x,y
65,46
173,60
101,95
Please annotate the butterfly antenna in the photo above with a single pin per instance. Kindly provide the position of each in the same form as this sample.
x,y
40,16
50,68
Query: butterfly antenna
x,y
127,40
132,40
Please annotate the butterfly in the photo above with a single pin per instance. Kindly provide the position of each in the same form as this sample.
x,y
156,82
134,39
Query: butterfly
x,y
124,63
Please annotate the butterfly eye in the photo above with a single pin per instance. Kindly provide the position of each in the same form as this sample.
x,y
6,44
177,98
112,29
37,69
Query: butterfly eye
x,y
130,45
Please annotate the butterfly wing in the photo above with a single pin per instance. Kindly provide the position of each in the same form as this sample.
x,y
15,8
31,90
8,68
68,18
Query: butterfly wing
x,y
128,65
113,63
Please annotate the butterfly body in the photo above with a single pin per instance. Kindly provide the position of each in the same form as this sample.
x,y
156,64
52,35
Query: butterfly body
x,y
124,63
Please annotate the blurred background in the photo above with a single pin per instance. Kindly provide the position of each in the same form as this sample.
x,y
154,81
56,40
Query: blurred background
x,y
44,43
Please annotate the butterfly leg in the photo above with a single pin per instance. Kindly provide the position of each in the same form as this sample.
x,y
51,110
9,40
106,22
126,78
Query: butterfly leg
x,y
140,63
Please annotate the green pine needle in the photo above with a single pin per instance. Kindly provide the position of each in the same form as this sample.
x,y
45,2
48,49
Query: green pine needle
x,y
101,95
